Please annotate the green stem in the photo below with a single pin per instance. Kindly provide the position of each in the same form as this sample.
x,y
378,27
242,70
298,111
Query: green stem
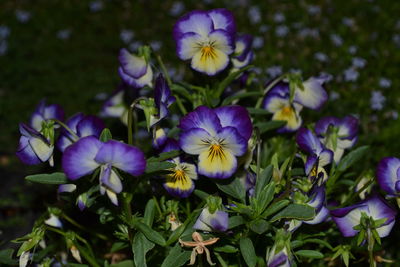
x,y
126,205
371,244
157,206
164,69
132,119
67,128
259,142
180,105
73,222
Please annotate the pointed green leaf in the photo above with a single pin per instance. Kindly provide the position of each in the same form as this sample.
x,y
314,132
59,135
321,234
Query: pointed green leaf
x,y
6,257
352,158
248,252
312,254
140,246
295,211
263,179
176,257
164,156
150,233
226,249
269,125
234,189
259,226
275,207
105,135
44,178
149,212
152,166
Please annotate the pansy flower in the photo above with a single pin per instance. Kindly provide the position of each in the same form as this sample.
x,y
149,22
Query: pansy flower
x,y
162,99
279,259
206,38
179,183
337,134
33,147
388,175
114,107
82,125
243,54
349,217
44,113
134,70
286,108
88,154
217,136
318,155
211,222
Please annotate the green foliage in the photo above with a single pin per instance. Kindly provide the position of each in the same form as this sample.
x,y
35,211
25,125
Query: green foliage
x,y
44,178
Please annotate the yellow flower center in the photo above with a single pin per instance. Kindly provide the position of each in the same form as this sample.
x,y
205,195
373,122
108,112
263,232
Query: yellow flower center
x,y
179,175
208,52
216,150
287,110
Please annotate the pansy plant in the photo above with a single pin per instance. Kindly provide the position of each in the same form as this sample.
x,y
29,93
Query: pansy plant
x,y
88,154
217,136
207,38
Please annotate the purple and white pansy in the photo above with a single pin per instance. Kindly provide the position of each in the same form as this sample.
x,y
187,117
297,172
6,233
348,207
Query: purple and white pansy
x,y
212,222
243,54
217,136
278,100
33,147
337,134
207,38
44,113
318,155
134,70
388,175
88,154
163,98
114,107
376,207
82,125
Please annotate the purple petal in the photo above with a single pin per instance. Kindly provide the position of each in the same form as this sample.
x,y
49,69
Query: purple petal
x,y
196,21
66,188
162,96
122,156
180,184
187,45
90,125
202,117
311,161
79,158
320,217
25,152
274,102
318,198
313,96
379,208
347,218
244,43
322,126
194,141
348,127
159,138
170,145
223,19
308,142
387,174
136,83
110,179
222,41
232,140
218,221
132,65
237,117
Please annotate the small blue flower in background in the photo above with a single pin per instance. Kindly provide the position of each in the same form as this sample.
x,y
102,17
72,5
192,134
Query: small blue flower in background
x,y
207,38
358,62
281,31
351,75
385,82
96,6
313,10
376,207
88,154
22,15
279,17
126,35
155,45
258,42
321,57
274,71
352,49
217,136
336,39
64,34
134,70
177,8
4,32
377,100
254,14
3,47
82,125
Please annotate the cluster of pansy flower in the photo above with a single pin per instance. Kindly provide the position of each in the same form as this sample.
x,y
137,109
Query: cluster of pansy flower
x,y
210,148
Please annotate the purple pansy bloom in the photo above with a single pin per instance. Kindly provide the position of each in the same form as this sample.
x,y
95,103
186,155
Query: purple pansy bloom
x,y
210,222
388,175
337,134
179,183
134,70
280,259
218,136
33,147
162,98
45,112
349,217
82,125
318,155
88,153
243,54
114,106
206,38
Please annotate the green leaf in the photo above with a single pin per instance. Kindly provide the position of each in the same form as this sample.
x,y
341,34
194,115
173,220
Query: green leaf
x,y
201,194
295,211
6,257
265,197
226,249
263,179
275,207
318,241
234,189
152,166
150,233
259,226
269,125
105,135
258,111
126,263
176,257
176,234
117,246
248,252
312,254
235,221
140,246
352,158
164,156
229,79
45,178
149,212
234,97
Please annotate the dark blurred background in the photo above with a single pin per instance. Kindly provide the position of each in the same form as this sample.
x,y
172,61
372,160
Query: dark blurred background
x,y
66,51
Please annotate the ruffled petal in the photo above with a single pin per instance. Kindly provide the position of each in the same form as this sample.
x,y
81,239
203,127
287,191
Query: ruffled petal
x,y
308,142
387,174
348,127
110,179
25,152
313,96
196,21
90,125
79,158
140,82
350,219
194,141
230,139
122,156
218,221
222,41
132,65
274,102
236,116
41,148
202,117
223,19
188,45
